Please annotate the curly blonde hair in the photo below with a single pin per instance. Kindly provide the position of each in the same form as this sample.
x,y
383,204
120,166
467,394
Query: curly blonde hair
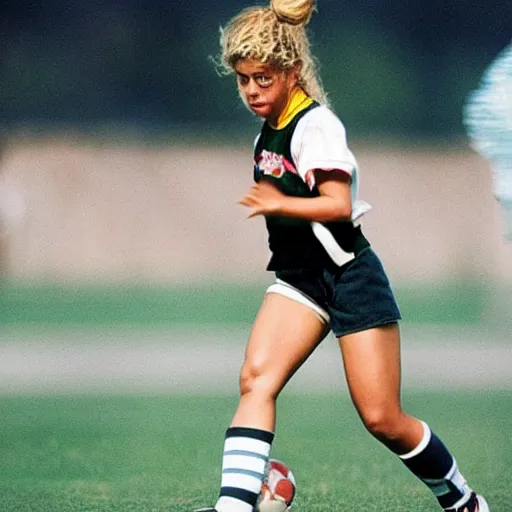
x,y
276,35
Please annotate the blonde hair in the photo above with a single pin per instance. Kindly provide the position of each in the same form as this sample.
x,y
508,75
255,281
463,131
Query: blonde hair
x,y
276,35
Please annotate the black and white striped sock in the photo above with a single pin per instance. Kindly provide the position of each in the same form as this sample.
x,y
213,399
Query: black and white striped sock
x,y
246,451
432,463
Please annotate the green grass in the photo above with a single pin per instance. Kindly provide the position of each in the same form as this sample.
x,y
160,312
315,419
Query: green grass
x,y
162,453
28,303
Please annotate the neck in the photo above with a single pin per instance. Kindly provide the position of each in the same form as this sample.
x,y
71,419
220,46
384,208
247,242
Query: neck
x,y
297,101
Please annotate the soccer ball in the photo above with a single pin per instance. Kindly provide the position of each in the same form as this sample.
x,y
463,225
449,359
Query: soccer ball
x,y
277,489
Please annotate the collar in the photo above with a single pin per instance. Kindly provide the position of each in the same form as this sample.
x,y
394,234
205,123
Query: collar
x,y
298,101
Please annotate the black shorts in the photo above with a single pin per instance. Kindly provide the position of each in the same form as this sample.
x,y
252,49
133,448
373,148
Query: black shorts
x,y
351,298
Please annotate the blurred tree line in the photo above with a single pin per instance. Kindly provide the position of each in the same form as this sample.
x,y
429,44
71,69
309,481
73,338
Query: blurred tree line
x,y
396,67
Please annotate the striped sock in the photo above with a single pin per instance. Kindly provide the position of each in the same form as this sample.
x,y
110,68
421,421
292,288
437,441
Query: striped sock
x,y
246,452
433,464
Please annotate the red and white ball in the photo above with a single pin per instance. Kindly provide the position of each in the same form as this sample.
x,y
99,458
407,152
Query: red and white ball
x,y
278,488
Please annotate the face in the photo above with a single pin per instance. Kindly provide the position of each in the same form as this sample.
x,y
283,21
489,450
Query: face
x,y
264,88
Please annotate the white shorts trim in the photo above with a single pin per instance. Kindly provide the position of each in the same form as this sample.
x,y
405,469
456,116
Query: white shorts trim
x,y
283,288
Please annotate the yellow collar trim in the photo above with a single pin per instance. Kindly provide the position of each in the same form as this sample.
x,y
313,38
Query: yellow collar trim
x,y
298,101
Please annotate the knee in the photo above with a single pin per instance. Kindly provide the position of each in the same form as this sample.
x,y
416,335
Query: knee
x,y
382,423
255,380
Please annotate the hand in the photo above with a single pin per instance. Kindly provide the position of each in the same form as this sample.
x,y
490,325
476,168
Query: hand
x,y
263,199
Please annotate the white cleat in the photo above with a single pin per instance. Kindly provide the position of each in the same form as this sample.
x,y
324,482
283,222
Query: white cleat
x,y
476,503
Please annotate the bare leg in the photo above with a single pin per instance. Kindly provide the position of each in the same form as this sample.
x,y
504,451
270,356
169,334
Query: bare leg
x,y
284,334
372,366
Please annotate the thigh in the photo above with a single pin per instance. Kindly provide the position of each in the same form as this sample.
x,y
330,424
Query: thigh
x,y
372,367
283,336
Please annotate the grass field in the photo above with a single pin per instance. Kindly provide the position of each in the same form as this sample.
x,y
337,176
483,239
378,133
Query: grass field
x,y
457,302
89,440
162,453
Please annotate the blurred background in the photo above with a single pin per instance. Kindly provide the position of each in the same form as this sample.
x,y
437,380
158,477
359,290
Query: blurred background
x,y
123,155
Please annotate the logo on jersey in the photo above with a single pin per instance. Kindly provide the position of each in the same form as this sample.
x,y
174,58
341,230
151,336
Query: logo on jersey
x,y
272,164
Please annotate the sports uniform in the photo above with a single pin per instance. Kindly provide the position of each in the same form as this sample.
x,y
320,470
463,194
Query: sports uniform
x,y
332,269
318,264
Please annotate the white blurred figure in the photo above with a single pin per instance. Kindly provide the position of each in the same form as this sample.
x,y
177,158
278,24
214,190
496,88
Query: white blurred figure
x,y
488,120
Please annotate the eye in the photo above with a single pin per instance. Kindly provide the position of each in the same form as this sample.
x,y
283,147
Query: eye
x,y
263,80
242,79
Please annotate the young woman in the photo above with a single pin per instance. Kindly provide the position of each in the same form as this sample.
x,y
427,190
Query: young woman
x,y
327,275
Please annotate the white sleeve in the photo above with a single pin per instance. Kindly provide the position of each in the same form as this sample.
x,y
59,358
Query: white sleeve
x,y
320,142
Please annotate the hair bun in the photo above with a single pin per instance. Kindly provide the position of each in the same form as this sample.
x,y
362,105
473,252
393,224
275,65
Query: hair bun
x,y
294,12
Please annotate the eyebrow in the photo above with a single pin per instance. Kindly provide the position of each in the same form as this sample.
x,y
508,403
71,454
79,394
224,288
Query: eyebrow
x,y
259,72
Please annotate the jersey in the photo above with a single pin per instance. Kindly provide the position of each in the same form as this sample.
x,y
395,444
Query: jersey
x,y
287,157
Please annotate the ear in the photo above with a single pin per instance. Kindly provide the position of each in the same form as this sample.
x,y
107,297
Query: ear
x,y
296,72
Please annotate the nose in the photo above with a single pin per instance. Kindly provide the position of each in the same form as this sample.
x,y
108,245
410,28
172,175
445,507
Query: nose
x,y
251,89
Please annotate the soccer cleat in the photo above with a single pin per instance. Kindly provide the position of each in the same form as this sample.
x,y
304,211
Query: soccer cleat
x,y
207,509
476,503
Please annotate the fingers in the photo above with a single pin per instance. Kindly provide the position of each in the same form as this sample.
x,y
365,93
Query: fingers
x,y
262,199
261,191
255,196
248,200
256,191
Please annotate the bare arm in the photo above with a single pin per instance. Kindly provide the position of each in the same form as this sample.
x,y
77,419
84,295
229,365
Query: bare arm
x,y
333,204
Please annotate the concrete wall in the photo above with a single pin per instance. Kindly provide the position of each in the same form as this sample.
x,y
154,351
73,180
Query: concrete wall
x,y
73,210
